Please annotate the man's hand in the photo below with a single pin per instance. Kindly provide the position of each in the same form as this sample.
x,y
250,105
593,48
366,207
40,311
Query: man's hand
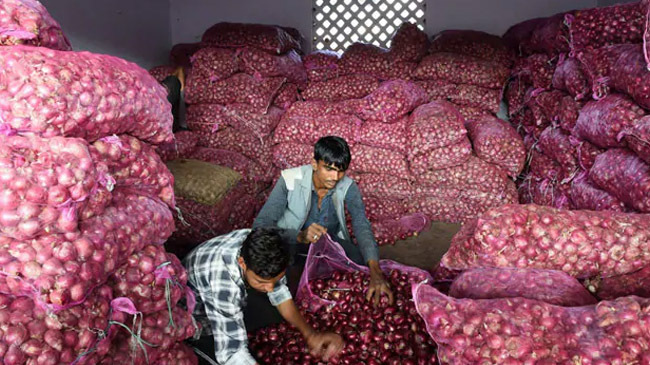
x,y
378,285
324,344
312,234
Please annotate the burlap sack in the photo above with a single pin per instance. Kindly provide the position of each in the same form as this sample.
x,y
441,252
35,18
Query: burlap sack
x,y
200,181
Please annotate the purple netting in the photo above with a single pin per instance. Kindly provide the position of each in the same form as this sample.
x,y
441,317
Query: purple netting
x,y
550,286
327,257
579,242
624,175
601,122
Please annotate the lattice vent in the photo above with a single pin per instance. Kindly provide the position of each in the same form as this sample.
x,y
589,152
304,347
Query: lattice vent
x,y
339,23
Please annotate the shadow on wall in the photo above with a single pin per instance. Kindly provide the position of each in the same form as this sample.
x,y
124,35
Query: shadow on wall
x,y
138,31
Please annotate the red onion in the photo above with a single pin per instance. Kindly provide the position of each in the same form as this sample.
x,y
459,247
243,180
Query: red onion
x,y
621,173
342,88
461,69
408,43
581,243
238,88
208,118
533,327
184,143
472,43
271,38
83,101
28,22
497,142
392,333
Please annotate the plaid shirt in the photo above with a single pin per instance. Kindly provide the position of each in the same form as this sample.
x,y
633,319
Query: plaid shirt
x,y
218,282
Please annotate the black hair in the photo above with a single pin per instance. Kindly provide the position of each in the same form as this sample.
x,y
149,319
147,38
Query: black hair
x,y
334,151
265,253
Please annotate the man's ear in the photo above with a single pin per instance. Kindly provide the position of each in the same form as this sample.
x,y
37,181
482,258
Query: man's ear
x,y
314,164
241,263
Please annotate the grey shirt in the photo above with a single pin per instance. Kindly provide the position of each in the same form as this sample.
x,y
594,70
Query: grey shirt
x,y
276,205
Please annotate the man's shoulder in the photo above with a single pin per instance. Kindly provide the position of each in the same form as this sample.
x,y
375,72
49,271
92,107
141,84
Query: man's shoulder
x,y
292,174
224,245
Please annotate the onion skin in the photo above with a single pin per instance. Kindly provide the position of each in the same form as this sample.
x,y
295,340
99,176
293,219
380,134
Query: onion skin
x,y
391,334
569,331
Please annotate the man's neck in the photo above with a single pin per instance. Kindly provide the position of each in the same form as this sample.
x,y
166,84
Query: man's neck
x,y
318,186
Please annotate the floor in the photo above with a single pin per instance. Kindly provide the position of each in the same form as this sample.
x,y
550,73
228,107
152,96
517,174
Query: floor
x,y
425,250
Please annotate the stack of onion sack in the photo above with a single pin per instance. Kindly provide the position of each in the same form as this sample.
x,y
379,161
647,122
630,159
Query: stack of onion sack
x,y
590,245
578,91
362,66
211,200
452,184
331,296
147,289
467,68
82,190
520,330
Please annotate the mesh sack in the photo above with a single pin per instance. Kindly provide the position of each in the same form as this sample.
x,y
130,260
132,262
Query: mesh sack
x,y
532,236
462,69
239,88
321,65
207,118
472,43
601,122
434,125
260,64
292,154
353,86
520,330
373,160
86,102
408,43
549,286
621,173
28,22
441,158
497,142
327,257
637,138
391,101
271,38
584,195
184,144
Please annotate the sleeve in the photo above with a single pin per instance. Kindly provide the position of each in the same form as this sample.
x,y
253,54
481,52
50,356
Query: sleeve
x,y
360,224
273,210
224,311
280,293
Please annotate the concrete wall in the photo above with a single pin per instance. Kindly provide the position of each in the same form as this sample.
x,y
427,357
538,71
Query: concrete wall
x,y
136,30
189,18
492,16
602,3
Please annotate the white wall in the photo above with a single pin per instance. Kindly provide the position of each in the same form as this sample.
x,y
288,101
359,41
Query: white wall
x,y
189,18
492,16
136,30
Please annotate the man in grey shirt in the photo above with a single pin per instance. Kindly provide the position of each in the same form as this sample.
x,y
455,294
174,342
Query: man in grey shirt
x,y
311,200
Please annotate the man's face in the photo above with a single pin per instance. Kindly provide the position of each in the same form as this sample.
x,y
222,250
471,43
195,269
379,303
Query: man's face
x,y
257,282
326,176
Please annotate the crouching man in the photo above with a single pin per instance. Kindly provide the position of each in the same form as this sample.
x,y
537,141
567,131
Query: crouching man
x,y
310,200
221,271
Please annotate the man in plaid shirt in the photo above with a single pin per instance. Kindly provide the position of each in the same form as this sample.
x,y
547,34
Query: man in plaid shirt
x,y
219,272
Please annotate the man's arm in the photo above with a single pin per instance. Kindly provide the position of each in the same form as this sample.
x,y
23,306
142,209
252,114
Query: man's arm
x,y
223,308
273,210
367,244
361,225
